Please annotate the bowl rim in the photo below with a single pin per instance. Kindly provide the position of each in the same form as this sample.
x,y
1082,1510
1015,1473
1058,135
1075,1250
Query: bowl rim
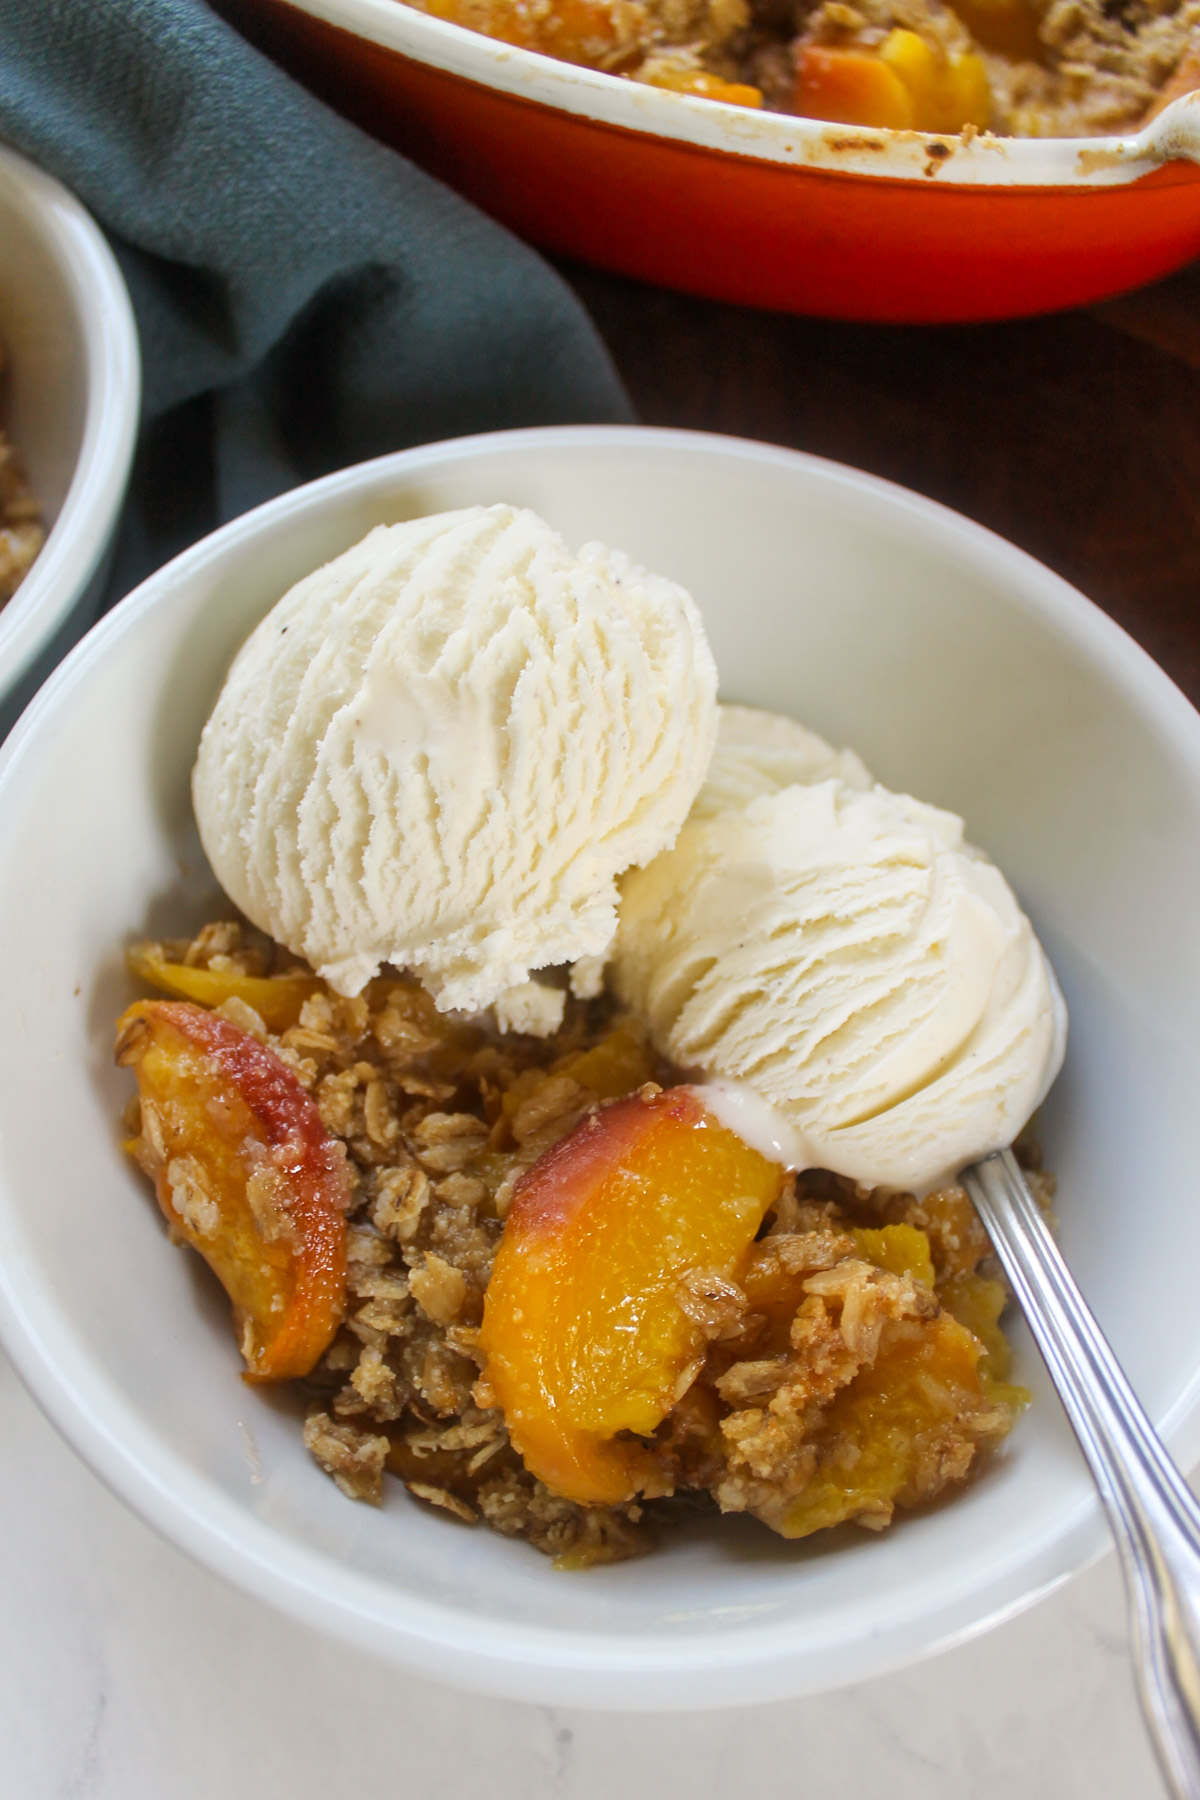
x,y
80,535
510,1659
980,161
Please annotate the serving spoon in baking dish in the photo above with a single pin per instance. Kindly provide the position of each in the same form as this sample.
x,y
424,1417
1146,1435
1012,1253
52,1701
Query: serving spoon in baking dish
x,y
1154,1517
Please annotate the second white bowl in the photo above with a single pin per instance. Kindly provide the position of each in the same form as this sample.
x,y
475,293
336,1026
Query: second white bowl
x,y
75,393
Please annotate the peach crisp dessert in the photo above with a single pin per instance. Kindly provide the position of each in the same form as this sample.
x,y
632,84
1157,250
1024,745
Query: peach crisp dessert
x,y
576,1241
22,530
1023,68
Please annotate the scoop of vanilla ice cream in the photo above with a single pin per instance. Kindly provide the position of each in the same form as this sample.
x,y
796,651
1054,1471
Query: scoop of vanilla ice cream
x,y
441,750
839,953
760,752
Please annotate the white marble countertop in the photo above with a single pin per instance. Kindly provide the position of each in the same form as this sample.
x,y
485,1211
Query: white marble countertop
x,y
130,1674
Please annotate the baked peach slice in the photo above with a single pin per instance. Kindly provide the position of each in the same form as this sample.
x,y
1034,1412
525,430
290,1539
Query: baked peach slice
x,y
590,32
851,87
904,85
679,79
614,1067
246,1173
911,1420
586,1327
277,999
901,1431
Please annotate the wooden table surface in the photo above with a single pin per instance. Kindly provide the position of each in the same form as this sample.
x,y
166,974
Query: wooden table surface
x,y
1076,436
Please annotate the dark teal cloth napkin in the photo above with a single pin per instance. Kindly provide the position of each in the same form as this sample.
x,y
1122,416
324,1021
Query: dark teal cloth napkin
x,y
305,297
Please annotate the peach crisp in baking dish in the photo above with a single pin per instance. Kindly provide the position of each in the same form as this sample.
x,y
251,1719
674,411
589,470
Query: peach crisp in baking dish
x,y
1026,68
535,1280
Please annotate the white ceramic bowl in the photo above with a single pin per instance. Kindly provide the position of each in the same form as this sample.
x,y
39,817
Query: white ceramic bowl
x,y
74,394
963,671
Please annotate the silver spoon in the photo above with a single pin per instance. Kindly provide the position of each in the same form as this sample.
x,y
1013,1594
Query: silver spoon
x,y
1154,1517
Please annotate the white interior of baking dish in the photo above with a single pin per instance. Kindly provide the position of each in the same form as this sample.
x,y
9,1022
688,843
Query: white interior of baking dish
x,y
962,671
983,161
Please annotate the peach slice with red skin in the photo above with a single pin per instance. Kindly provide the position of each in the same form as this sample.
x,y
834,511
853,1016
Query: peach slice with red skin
x,y
246,1172
585,1327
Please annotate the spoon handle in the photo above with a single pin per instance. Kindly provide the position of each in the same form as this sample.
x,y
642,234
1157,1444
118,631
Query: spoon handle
x,y
1154,1518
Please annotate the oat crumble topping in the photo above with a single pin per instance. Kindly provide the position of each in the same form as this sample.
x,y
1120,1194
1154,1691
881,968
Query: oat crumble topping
x,y
439,1118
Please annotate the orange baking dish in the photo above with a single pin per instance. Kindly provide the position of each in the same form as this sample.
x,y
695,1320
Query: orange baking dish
x,y
754,207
